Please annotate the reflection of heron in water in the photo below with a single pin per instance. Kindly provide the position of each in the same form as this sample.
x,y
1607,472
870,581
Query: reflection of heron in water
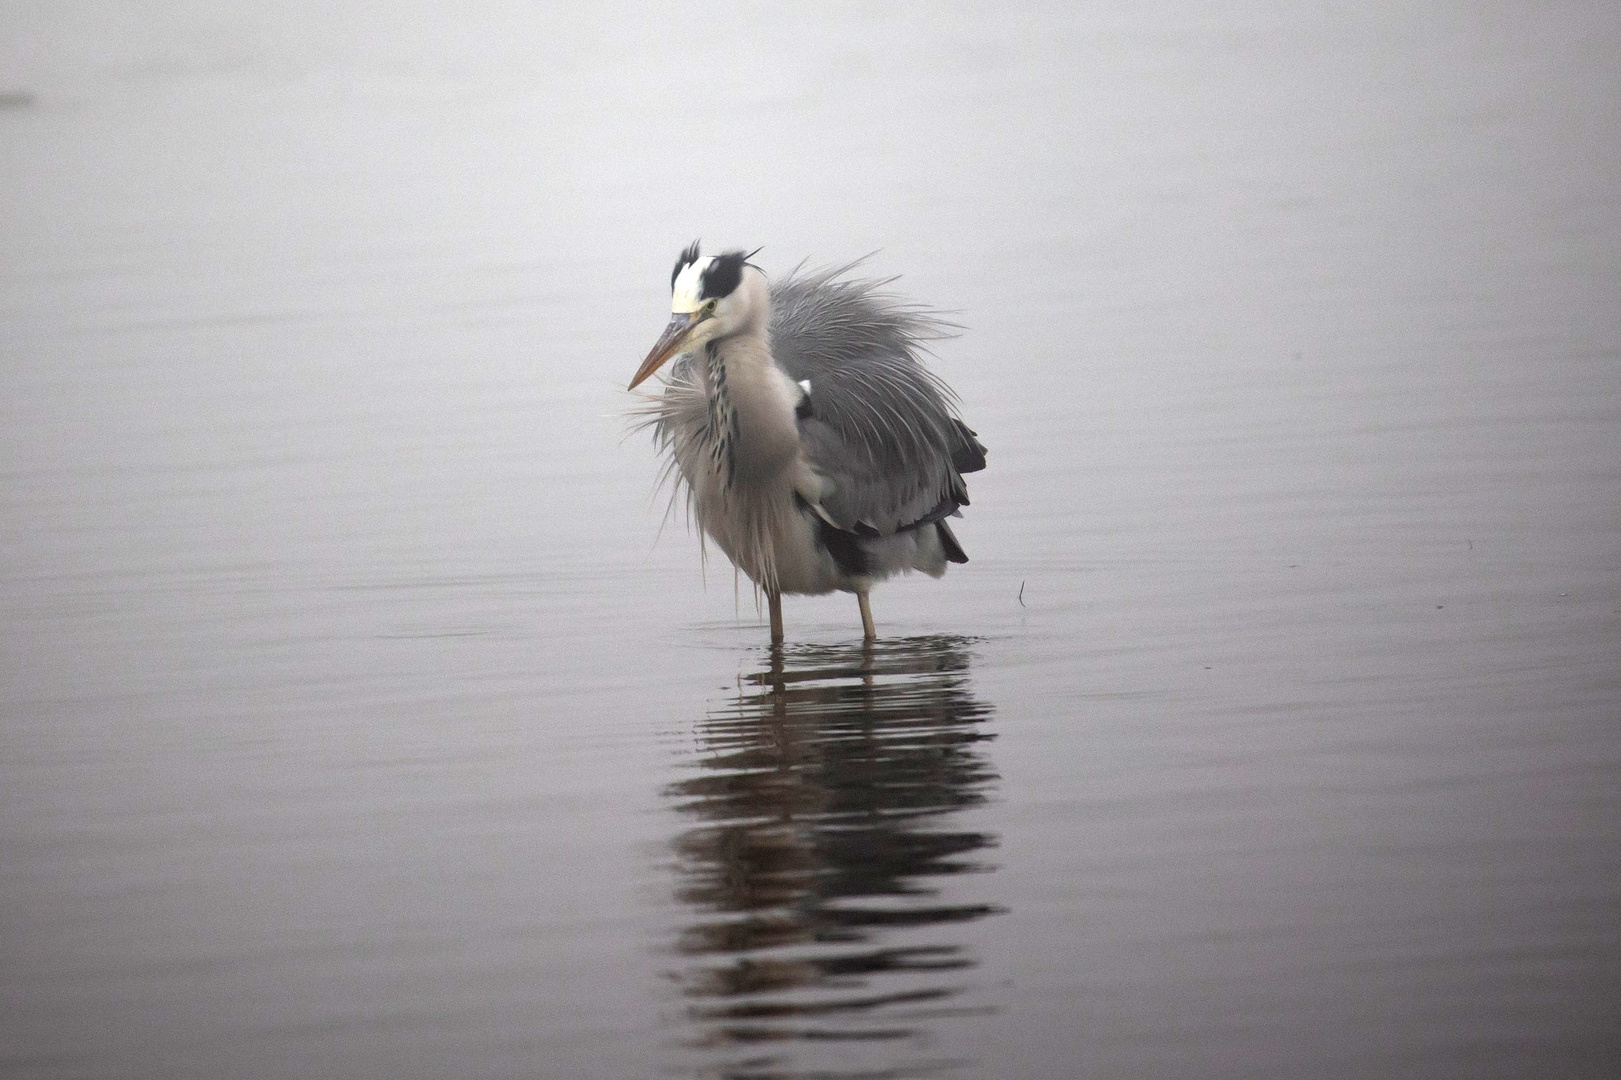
x,y
823,850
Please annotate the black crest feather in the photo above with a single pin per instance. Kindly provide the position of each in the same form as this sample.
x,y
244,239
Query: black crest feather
x,y
684,260
722,276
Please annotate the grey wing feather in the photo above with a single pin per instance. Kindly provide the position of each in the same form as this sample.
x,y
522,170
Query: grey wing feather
x,y
879,425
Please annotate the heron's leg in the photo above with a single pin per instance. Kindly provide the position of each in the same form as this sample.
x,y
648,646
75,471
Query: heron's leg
x,y
774,601
868,633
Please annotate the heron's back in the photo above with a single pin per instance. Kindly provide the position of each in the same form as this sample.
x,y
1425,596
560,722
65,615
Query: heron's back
x,y
881,423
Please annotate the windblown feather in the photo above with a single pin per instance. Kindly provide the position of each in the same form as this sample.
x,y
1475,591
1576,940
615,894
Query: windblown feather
x,y
881,425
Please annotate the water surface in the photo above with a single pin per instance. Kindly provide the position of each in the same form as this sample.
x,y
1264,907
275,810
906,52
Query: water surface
x,y
358,716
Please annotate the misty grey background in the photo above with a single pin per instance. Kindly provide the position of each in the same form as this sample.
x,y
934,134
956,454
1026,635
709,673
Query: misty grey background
x,y
348,688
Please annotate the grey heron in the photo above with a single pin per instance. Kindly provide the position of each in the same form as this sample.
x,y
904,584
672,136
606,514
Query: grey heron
x,y
814,447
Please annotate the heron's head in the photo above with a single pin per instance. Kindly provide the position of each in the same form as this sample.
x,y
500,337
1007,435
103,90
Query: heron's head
x,y
711,297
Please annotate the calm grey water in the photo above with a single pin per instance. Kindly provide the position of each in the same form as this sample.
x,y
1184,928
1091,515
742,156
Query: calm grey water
x,y
356,719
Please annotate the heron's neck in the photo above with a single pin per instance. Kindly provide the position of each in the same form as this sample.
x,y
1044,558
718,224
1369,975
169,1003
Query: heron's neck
x,y
753,429
723,435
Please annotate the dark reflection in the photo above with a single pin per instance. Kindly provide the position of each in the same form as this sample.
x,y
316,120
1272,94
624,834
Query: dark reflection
x,y
824,854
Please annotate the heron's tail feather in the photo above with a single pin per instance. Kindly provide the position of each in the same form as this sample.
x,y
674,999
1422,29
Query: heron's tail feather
x,y
967,452
948,541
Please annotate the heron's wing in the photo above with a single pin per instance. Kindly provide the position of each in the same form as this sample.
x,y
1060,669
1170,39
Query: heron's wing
x,y
874,423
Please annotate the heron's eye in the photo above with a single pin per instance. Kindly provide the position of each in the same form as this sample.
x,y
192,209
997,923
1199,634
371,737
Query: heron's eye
x,y
709,308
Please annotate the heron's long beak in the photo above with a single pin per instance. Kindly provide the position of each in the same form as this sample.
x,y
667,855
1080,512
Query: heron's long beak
x,y
669,344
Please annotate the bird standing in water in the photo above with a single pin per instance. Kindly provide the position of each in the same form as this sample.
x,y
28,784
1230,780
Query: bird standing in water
x,y
815,448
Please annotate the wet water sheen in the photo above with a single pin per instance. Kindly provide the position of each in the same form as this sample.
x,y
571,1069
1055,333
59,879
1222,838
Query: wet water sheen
x,y
363,715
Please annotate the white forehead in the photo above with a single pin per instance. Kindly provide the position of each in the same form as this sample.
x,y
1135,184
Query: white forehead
x,y
684,298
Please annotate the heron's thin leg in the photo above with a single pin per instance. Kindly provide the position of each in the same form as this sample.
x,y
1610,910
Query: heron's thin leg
x,y
868,633
774,600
